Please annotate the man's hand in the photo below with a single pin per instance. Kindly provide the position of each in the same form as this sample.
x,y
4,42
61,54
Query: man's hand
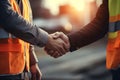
x,y
35,72
58,44
62,36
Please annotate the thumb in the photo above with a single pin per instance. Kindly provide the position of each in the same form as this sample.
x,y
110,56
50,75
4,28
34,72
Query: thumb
x,y
56,35
64,37
60,35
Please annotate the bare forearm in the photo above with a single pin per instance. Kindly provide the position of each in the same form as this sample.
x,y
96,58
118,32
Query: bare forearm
x,y
33,57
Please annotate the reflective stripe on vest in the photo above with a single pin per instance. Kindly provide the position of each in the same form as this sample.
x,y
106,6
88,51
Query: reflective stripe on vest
x,y
113,47
113,28
13,51
4,34
114,19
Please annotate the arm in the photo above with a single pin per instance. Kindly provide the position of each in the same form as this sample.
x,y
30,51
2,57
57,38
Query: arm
x,y
35,71
95,30
14,23
33,57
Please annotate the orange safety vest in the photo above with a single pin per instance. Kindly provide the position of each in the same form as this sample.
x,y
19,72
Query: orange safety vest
x,y
113,47
14,53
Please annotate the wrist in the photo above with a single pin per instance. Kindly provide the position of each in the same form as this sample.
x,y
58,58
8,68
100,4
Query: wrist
x,y
34,63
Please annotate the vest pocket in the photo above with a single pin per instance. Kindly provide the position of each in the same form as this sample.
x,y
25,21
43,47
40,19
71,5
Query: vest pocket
x,y
11,45
11,56
11,62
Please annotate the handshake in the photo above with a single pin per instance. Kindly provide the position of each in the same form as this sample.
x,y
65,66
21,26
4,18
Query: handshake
x,y
58,44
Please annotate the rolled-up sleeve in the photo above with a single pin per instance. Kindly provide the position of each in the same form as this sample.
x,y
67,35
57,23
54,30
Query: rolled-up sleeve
x,y
12,22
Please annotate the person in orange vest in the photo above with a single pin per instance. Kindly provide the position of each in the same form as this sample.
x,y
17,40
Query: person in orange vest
x,y
15,24
34,68
12,57
107,20
16,55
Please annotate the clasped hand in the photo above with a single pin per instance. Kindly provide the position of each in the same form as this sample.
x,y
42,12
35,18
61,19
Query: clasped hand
x,y
58,44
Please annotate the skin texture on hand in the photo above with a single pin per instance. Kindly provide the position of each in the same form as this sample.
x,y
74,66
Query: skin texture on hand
x,y
62,36
58,45
35,72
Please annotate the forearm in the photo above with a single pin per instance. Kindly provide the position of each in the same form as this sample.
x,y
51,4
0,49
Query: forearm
x,y
18,26
95,30
33,57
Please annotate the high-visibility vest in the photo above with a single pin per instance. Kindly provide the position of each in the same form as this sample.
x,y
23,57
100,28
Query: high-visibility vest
x,y
14,53
113,47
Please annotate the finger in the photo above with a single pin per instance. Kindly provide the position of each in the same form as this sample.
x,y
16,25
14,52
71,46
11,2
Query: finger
x,y
55,35
54,54
65,47
46,49
38,76
57,54
38,73
62,49
64,37
33,77
51,52
56,45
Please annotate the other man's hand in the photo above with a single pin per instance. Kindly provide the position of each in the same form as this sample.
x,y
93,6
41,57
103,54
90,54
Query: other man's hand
x,y
59,46
35,72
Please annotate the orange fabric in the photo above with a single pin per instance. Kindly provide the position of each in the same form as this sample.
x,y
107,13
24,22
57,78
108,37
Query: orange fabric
x,y
113,47
15,6
14,53
114,18
113,52
27,15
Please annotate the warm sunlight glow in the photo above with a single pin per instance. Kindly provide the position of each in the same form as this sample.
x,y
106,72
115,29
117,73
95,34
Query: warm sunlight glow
x,y
53,5
68,27
78,4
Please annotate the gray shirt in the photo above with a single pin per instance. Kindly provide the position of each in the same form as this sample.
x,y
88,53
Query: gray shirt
x,y
14,23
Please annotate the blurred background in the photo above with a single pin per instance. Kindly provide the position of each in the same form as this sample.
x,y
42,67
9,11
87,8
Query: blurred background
x,y
87,63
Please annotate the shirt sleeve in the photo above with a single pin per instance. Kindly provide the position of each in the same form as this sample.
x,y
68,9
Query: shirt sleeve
x,y
93,31
12,22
